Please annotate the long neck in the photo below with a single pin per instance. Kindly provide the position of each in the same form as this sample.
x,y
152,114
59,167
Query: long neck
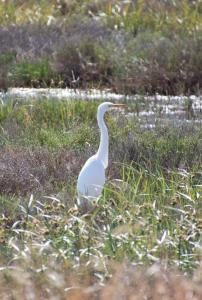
x,y
102,153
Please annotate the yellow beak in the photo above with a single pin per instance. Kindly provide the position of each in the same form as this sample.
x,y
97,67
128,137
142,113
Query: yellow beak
x,y
118,105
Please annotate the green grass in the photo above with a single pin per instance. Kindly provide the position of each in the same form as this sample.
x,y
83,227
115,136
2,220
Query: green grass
x,y
132,16
146,219
25,11
54,124
36,73
48,123
150,211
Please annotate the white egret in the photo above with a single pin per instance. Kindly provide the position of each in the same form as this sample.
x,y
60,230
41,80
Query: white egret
x,y
91,178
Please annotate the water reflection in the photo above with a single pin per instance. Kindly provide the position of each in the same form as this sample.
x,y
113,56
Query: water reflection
x,y
150,110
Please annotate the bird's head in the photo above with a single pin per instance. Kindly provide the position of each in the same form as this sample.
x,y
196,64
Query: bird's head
x,y
103,107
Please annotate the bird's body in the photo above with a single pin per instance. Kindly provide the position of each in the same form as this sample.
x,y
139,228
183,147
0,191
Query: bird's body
x,y
91,178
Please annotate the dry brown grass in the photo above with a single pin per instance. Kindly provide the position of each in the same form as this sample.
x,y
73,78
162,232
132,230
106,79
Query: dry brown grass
x,y
128,283
23,171
152,284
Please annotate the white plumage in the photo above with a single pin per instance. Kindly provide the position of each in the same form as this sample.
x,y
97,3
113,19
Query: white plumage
x,y
91,178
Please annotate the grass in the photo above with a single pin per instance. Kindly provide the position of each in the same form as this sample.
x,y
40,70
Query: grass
x,y
147,223
36,73
131,47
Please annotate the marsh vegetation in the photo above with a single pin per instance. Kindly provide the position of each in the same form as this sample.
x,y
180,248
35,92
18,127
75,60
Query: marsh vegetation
x,y
150,212
143,239
128,46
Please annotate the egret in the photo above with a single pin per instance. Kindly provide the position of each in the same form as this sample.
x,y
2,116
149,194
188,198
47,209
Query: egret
x,y
91,178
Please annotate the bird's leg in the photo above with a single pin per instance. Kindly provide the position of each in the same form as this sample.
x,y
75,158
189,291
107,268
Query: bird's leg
x,y
86,206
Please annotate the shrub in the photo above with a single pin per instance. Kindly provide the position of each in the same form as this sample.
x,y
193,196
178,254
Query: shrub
x,y
156,63
23,171
129,46
6,61
36,73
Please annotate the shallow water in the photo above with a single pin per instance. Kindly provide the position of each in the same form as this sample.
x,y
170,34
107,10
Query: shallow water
x,y
151,111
